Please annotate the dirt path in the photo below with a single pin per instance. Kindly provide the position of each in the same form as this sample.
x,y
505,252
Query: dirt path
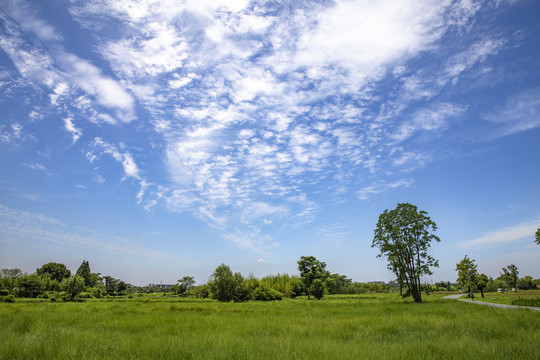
x,y
501,306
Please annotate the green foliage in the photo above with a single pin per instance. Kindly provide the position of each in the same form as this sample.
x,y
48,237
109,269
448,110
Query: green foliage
x,y
30,285
537,237
510,275
404,236
262,293
56,271
86,274
336,283
73,286
467,274
9,299
318,288
311,269
184,285
482,283
526,283
226,286
8,278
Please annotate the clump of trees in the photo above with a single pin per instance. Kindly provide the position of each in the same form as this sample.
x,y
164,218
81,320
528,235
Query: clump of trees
x,y
54,280
469,278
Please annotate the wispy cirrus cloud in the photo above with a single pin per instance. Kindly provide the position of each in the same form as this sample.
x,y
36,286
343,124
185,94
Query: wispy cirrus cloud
x,y
521,112
38,227
517,233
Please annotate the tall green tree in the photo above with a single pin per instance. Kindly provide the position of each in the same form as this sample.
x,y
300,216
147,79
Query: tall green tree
x,y
467,274
56,271
311,269
84,272
537,237
404,236
510,274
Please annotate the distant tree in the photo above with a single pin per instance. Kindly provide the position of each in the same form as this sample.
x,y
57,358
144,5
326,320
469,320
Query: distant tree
x,y
482,283
73,286
56,271
30,285
185,284
226,286
510,273
8,277
467,274
335,283
526,283
311,269
113,285
86,274
318,288
404,236
537,237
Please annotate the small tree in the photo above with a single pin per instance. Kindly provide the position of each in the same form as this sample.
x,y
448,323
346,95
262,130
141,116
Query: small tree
x,y
311,269
73,286
317,289
185,284
467,274
482,283
226,286
537,237
510,273
404,236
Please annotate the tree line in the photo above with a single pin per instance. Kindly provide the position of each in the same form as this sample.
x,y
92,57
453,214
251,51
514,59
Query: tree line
x,y
403,236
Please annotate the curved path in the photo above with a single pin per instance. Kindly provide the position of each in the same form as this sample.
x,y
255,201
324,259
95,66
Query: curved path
x,y
501,306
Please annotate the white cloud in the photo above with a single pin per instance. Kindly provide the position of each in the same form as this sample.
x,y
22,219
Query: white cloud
x,y
38,227
434,118
70,127
368,34
520,112
518,233
104,89
377,188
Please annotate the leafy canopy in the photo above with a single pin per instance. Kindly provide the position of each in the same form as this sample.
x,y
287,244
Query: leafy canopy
x,y
403,236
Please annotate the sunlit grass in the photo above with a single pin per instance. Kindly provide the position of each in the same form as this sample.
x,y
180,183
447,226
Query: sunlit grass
x,y
508,296
341,327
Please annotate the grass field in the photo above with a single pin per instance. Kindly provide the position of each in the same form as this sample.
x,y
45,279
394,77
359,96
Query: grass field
x,y
508,296
339,327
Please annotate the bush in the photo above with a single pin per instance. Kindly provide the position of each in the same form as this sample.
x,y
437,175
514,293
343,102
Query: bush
x,y
317,289
266,294
85,295
9,299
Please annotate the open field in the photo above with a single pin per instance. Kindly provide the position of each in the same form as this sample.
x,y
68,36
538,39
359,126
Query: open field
x,y
339,327
508,296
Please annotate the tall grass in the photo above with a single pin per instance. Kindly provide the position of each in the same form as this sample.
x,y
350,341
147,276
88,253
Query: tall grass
x,y
348,327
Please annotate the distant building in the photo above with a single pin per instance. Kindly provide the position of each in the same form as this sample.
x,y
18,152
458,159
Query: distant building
x,y
161,286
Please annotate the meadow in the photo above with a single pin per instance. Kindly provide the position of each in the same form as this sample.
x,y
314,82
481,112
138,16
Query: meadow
x,y
378,326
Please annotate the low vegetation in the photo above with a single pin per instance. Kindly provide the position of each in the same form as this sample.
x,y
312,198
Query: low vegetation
x,y
382,326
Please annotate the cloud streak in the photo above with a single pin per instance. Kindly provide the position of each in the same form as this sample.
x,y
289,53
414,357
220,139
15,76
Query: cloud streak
x,y
518,233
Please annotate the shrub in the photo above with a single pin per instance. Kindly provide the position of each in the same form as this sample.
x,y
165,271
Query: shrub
x,y
266,294
9,299
317,289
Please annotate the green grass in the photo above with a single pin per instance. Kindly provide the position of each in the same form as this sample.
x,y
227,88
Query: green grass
x,y
509,297
342,327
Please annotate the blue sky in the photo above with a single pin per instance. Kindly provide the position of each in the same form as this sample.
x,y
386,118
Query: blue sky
x,y
158,139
